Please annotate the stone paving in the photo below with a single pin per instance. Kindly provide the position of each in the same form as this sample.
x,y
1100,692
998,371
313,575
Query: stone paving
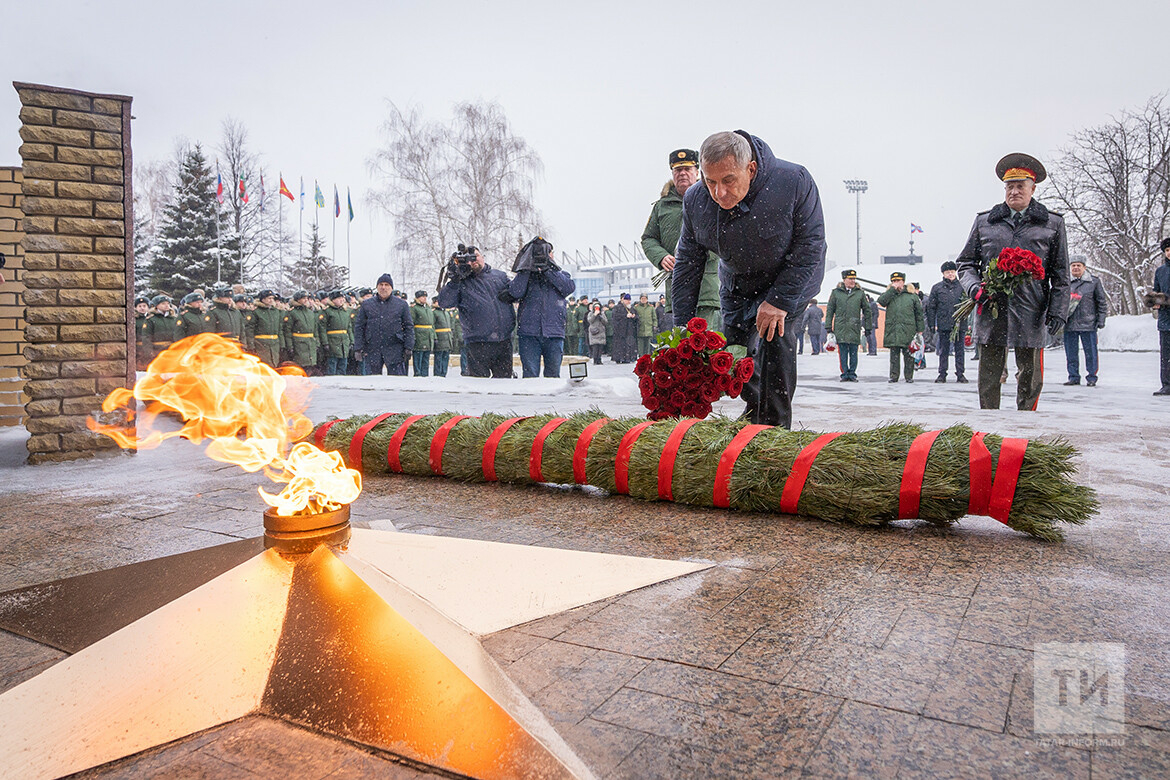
x,y
808,650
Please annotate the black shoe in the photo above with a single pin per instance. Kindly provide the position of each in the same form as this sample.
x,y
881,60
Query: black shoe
x,y
893,381
852,379
942,380
844,379
909,381
1163,391
1071,382
961,380
1091,383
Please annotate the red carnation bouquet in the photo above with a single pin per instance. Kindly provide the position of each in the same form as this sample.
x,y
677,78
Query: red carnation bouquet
x,y
689,370
1004,275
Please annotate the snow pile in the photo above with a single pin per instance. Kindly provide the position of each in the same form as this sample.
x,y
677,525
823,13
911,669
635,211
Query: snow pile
x,y
1129,333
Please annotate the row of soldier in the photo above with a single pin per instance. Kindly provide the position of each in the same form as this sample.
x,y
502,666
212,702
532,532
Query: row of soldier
x,y
313,331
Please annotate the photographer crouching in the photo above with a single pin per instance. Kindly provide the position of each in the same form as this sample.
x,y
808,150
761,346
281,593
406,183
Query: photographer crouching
x,y
473,287
540,287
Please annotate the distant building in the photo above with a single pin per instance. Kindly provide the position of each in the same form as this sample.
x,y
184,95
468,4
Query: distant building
x,y
901,259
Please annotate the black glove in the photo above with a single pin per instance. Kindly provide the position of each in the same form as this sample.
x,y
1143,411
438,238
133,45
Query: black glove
x,y
406,355
1101,325
1054,323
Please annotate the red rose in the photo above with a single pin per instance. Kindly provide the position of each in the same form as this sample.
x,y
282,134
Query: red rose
x,y
685,350
736,388
665,379
660,364
645,384
725,382
722,362
703,410
652,403
696,325
712,393
644,365
678,398
698,341
744,368
715,341
673,357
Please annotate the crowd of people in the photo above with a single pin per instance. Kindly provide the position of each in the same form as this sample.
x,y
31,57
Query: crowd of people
x,y
754,285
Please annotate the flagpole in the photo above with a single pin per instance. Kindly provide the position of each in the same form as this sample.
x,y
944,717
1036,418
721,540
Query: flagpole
x,y
301,226
218,262
280,233
348,220
336,208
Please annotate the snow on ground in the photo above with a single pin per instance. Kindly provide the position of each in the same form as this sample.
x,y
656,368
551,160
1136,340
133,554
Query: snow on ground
x,y
1129,333
1104,420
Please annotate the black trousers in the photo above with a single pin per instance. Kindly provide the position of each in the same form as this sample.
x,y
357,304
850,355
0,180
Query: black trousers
x,y
903,355
769,392
1164,344
490,358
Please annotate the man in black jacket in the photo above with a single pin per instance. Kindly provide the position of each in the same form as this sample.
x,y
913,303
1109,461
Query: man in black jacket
x,y
383,331
1039,307
1087,309
940,318
762,217
474,288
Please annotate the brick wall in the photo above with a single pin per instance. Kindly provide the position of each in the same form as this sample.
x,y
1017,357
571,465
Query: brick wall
x,y
78,259
12,397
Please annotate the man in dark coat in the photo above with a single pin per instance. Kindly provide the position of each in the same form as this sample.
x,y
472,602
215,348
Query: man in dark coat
x,y
540,286
1162,287
1088,306
383,331
940,318
871,332
814,322
762,217
625,331
1038,308
487,321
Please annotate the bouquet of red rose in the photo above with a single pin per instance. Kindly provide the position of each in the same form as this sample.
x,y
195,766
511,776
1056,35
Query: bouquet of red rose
x,y
1004,274
689,370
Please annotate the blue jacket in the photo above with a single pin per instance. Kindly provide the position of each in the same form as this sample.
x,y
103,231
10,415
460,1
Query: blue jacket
x,y
481,312
542,302
1162,285
771,245
384,327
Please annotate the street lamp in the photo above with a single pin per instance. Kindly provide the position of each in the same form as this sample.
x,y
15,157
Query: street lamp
x,y
857,186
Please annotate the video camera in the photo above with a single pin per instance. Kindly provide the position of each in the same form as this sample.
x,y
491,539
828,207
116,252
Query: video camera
x,y
461,261
536,255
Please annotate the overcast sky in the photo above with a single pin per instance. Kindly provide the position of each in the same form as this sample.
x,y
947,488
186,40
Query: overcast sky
x,y
919,98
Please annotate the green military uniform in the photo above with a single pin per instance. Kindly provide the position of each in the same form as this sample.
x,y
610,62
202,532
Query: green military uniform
x,y
142,353
904,321
457,338
443,341
847,310
303,331
424,327
227,321
161,330
660,238
193,321
249,318
572,329
647,325
338,331
266,333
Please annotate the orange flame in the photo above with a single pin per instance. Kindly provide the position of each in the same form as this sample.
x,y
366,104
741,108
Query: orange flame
x,y
247,411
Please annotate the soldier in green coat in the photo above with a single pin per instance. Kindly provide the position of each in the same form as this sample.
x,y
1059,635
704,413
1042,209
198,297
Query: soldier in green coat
x,y
848,309
303,329
571,327
161,329
424,332
904,321
338,339
660,238
266,329
193,320
226,319
141,313
443,340
647,323
578,313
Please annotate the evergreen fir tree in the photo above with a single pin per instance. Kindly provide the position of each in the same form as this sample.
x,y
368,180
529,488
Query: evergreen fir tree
x,y
316,271
185,255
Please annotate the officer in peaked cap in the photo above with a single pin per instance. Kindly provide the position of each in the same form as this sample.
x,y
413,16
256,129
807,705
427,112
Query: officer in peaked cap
x,y
1039,307
303,331
267,328
849,273
226,319
338,338
161,327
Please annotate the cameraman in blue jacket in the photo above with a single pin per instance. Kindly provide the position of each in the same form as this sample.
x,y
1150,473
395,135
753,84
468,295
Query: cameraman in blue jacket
x,y
474,287
541,288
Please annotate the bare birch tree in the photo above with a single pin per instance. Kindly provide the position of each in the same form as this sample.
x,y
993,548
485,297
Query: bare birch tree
x,y
1113,184
468,181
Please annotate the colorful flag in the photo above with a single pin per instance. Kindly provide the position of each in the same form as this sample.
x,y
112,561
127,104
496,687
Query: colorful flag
x,y
318,198
262,192
218,184
336,203
285,191
302,193
243,192
914,229
349,204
